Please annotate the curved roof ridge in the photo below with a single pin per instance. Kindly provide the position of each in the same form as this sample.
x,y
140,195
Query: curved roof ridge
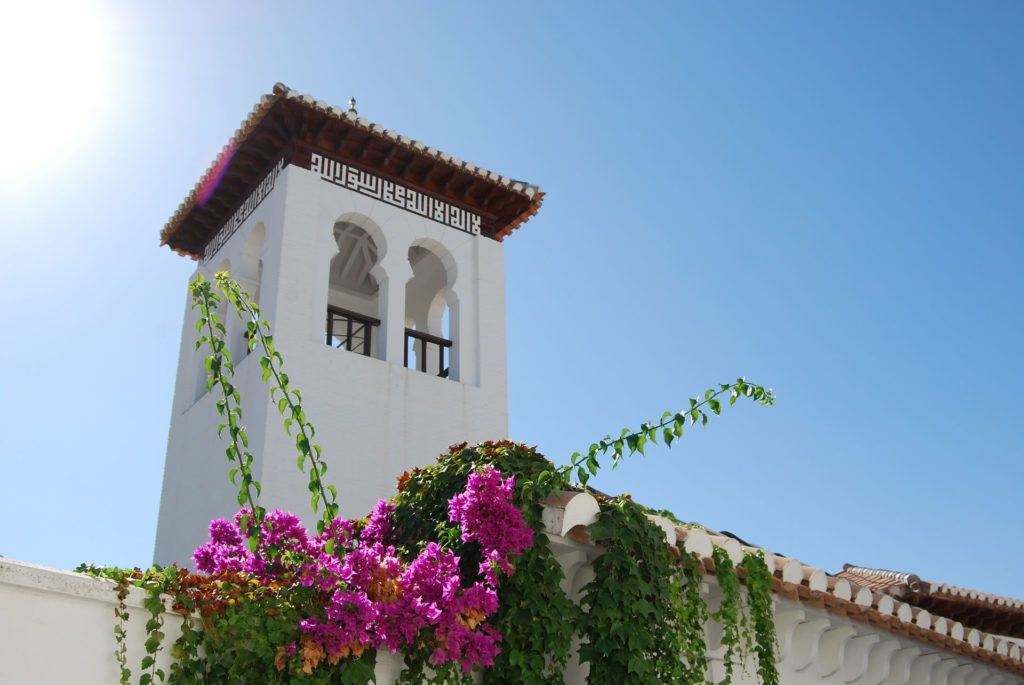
x,y
882,579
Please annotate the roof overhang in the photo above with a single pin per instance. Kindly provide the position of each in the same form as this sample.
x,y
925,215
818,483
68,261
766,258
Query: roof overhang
x,y
291,127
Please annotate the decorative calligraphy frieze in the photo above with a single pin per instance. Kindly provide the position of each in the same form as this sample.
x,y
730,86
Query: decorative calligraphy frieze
x,y
394,194
242,213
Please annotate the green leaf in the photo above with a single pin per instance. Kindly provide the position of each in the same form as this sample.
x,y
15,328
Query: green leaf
x,y
632,441
601,529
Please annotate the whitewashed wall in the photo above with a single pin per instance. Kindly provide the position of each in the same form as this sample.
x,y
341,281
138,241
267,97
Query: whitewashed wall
x,y
374,418
57,627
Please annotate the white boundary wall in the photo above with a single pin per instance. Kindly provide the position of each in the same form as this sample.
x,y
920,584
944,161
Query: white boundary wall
x,y
57,627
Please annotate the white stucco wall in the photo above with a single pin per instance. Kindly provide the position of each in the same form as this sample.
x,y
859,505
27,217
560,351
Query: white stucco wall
x,y
374,418
57,627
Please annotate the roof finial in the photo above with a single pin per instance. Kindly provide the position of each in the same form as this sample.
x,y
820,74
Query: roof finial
x,y
352,105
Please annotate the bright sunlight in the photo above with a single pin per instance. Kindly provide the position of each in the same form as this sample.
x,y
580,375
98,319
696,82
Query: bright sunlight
x,y
55,61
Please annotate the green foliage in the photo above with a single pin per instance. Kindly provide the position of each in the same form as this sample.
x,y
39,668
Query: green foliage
x,y
218,365
759,586
729,614
692,615
632,627
120,636
670,428
289,400
157,582
535,616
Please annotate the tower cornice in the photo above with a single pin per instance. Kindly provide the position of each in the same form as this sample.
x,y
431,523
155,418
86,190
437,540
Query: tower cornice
x,y
290,127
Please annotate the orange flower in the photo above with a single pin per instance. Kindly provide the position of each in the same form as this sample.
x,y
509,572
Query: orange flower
x,y
279,662
312,654
471,618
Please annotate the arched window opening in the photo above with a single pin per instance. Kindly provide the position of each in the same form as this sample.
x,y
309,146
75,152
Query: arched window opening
x,y
353,292
222,312
428,346
250,270
250,279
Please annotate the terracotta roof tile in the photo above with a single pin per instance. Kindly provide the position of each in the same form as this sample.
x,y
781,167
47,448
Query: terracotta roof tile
x,y
976,610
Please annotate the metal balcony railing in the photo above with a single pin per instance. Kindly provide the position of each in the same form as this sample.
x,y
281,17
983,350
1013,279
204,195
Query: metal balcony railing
x,y
349,330
422,345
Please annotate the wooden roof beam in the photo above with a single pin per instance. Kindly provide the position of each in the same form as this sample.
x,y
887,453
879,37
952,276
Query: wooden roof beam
x,y
392,163
375,153
339,141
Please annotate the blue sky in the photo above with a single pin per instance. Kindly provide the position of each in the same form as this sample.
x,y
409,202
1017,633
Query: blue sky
x,y
823,197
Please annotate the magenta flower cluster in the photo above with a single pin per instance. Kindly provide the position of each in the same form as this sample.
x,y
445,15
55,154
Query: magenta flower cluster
x,y
487,515
371,597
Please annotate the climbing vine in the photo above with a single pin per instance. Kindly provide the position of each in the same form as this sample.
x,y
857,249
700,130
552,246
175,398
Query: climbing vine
x,y
729,614
632,625
220,369
289,400
759,586
455,572
120,634
692,613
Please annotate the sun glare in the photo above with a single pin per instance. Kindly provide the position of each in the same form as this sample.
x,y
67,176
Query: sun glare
x,y
55,57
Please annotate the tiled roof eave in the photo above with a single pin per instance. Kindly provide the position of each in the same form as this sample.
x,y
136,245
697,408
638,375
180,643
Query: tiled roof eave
x,y
189,203
984,611
183,235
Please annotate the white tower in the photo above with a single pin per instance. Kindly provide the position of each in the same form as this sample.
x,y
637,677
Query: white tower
x,y
378,262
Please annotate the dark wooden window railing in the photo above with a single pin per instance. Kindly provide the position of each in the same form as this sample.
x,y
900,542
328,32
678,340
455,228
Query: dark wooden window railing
x,y
423,345
349,330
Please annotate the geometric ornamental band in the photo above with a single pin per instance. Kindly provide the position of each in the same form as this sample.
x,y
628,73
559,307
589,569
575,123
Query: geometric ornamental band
x,y
394,194
243,212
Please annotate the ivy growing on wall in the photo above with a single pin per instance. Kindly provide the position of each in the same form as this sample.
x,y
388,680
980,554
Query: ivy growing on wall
x,y
455,572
